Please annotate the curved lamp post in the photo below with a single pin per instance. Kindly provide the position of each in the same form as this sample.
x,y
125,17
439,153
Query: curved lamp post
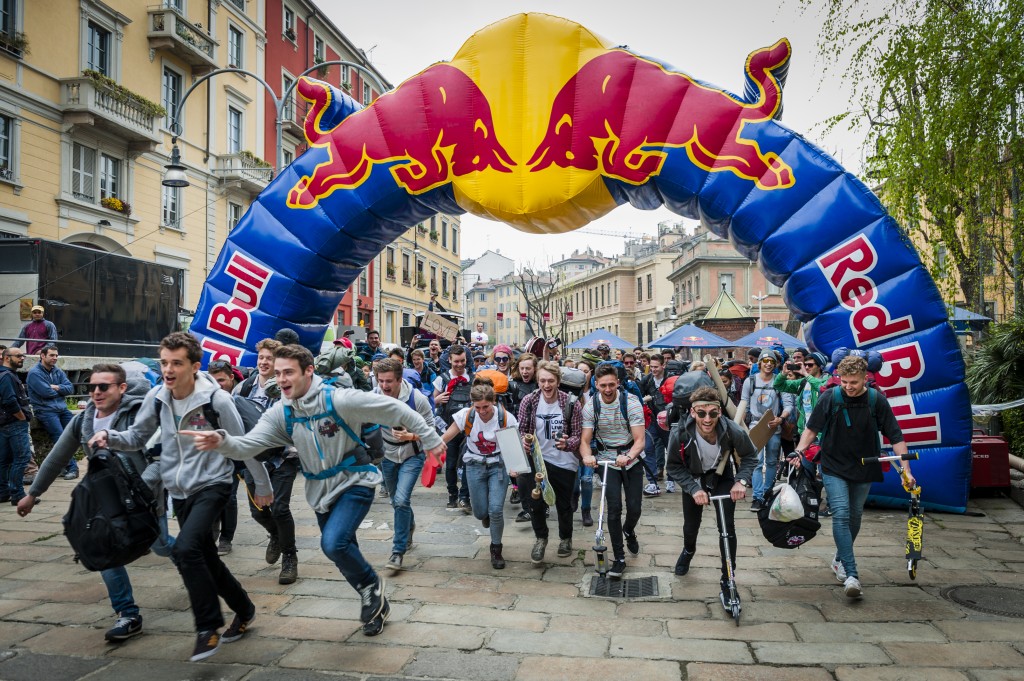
x,y
175,172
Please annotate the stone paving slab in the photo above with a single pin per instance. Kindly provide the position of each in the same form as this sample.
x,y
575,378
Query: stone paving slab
x,y
700,671
26,666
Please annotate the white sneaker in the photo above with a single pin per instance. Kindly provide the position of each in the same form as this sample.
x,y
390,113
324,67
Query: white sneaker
x,y
838,570
852,587
670,487
651,490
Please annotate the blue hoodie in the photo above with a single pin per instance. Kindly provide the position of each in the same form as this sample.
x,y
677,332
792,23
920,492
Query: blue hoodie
x,y
43,397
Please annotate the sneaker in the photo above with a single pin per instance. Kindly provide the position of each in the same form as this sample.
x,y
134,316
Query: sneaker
x,y
670,487
71,475
617,568
587,520
223,547
486,521
125,628
683,564
207,644
724,597
539,546
373,600
452,502
838,570
237,629
376,625
514,497
464,506
756,505
827,513
289,569
565,548
412,531
382,492
652,490
273,550
852,588
523,517
394,562
632,544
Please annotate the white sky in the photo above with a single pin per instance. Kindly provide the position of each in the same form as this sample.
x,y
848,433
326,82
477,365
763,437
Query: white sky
x,y
708,40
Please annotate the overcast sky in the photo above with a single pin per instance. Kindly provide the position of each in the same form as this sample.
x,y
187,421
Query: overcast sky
x,y
708,40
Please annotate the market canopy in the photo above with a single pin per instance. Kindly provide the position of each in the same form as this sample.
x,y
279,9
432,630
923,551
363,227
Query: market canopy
x,y
767,337
965,320
595,338
690,336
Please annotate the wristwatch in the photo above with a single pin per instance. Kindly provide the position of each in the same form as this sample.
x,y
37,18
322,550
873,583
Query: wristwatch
x,y
743,481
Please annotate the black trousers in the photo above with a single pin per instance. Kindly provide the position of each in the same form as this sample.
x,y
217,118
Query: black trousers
x,y
451,468
195,555
632,483
277,518
562,481
692,514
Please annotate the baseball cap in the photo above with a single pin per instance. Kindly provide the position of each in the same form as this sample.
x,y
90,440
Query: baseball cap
x,y
604,346
348,332
38,307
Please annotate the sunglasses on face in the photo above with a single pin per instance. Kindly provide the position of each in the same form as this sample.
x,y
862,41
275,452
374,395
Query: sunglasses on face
x,y
810,364
219,365
501,360
768,361
710,414
102,387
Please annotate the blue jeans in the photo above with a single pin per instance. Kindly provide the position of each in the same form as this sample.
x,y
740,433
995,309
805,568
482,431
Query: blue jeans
x,y
487,485
767,466
585,486
846,501
654,451
400,479
338,535
14,456
119,589
54,423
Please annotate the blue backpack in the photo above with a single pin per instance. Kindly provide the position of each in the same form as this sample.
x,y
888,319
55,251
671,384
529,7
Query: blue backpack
x,y
357,459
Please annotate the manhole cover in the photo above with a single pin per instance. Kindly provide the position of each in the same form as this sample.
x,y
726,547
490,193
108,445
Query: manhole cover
x,y
642,587
1007,601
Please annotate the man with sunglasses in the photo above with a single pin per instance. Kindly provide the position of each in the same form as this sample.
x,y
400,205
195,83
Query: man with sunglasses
x,y
15,414
696,448
114,403
48,386
759,395
806,386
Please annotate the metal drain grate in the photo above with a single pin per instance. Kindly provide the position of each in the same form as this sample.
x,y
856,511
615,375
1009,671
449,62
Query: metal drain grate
x,y
642,587
1007,601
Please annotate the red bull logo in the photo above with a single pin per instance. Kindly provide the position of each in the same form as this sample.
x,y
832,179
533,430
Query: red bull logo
x,y
624,134
435,126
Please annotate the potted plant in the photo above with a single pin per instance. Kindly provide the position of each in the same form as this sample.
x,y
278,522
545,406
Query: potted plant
x,y
324,69
15,42
391,271
289,33
433,235
116,204
421,281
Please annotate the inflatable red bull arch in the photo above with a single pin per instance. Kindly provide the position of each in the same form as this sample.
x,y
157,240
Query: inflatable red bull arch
x,y
541,124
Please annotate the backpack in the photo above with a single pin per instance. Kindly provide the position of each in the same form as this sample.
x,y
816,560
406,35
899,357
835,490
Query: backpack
x,y
112,519
250,411
675,367
795,533
623,408
682,387
356,459
755,388
460,398
471,417
839,403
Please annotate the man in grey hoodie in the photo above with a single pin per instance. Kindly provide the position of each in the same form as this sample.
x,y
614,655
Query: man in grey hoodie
x,y
403,456
199,484
322,423
115,402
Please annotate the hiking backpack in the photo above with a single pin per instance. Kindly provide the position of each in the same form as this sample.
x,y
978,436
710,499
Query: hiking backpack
x,y
471,418
460,397
112,519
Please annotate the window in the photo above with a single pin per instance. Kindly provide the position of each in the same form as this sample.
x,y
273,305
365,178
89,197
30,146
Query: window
x,y
639,289
483,311
650,332
367,98
444,283
773,289
483,297
406,267
175,4
639,333
8,19
289,24
234,215
287,157
240,4
171,213
455,240
433,278
940,257
110,176
405,319
726,282
444,234
234,130
650,287
172,95
83,173
363,283
235,42
319,49
602,296
98,58
454,280
289,106
696,285
346,77
390,257
6,159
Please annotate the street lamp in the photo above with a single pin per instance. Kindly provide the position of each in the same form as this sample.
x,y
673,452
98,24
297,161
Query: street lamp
x,y
759,298
175,175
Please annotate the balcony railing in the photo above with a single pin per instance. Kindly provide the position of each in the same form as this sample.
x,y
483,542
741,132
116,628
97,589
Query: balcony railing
x,y
88,100
169,30
243,168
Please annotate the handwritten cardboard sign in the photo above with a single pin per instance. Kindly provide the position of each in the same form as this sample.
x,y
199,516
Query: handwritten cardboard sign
x,y
439,326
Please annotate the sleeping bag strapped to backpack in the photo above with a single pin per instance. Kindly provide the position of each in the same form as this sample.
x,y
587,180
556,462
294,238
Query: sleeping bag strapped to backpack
x,y
501,387
682,387
795,533
113,517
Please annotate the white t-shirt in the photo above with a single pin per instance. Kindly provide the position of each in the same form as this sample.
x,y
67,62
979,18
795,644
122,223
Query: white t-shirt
x,y
440,385
481,445
103,423
258,394
478,337
549,427
708,452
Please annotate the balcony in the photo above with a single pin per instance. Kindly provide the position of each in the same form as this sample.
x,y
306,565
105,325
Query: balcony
x,y
251,173
391,272
96,101
169,30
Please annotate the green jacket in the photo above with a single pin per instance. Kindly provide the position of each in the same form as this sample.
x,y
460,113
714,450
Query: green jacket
x,y
796,387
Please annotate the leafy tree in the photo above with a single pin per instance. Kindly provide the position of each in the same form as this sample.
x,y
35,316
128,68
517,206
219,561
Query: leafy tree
x,y
939,85
538,291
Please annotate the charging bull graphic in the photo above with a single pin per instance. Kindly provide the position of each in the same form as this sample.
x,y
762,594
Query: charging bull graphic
x,y
541,124
625,137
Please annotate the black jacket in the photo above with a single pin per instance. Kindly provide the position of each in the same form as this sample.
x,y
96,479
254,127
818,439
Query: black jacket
x,y
649,387
682,461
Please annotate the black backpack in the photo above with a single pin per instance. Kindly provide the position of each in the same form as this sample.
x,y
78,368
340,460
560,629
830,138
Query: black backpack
x,y
113,517
682,389
797,532
250,411
460,398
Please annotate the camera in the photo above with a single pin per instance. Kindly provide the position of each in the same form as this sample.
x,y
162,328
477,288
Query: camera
x,y
793,366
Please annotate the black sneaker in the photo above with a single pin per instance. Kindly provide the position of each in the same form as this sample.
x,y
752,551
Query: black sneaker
x,y
373,600
539,546
289,569
617,568
125,628
755,505
394,562
683,564
273,550
237,629
588,520
376,625
514,497
564,548
452,502
223,547
523,517
633,544
465,507
486,521
207,644
724,597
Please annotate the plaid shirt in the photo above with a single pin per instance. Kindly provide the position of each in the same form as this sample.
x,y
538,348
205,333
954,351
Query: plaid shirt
x,y
573,429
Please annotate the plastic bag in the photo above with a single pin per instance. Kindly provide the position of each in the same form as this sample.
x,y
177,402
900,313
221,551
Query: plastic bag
x,y
786,506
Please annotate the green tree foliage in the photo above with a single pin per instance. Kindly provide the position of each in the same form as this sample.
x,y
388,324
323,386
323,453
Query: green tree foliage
x,y
939,86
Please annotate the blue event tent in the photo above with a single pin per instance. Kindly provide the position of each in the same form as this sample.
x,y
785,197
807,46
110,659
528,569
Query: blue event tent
x,y
595,338
767,337
690,336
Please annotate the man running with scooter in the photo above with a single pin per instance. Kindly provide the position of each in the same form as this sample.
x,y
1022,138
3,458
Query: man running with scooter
x,y
698,447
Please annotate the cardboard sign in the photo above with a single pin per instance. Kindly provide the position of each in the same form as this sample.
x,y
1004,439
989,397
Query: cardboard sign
x,y
762,432
439,326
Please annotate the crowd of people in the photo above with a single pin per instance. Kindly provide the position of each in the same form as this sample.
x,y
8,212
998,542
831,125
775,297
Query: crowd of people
x,y
363,419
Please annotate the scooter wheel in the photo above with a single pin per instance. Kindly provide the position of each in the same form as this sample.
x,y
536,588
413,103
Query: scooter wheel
x,y
912,569
736,614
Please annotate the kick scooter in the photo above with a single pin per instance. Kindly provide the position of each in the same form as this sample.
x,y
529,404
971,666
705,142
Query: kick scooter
x,y
599,548
915,517
731,606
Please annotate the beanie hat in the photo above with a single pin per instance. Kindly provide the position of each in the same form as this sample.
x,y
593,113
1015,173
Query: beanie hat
x,y
819,359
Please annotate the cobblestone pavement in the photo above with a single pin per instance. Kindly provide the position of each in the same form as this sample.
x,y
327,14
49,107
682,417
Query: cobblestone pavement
x,y
453,617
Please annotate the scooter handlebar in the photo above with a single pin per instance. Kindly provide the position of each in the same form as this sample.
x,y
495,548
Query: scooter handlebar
x,y
912,456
